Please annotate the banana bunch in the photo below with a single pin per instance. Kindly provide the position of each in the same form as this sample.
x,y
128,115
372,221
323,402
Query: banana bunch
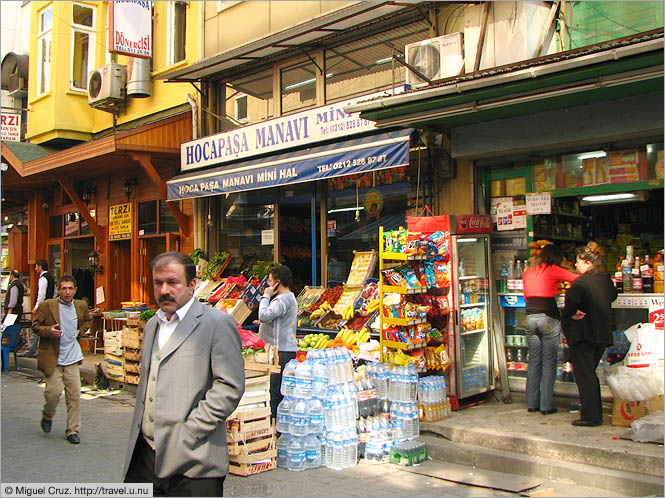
x,y
350,337
325,306
373,306
317,314
348,312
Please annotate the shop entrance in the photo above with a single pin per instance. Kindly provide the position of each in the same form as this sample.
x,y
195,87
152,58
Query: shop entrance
x,y
76,264
54,260
150,247
299,233
120,268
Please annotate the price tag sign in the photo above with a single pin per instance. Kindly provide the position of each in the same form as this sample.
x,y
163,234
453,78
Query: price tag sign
x,y
656,316
539,203
504,216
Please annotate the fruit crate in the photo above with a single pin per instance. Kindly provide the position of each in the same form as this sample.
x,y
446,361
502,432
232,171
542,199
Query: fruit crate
x,y
131,338
257,391
324,321
348,298
251,442
309,296
247,463
244,422
362,267
236,308
131,378
132,354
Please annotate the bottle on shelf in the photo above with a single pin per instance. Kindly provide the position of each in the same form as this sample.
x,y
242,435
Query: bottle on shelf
x,y
637,276
627,271
511,270
503,281
460,270
618,277
519,271
647,275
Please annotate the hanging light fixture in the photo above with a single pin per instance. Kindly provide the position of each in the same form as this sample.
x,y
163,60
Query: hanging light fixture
x,y
129,186
93,260
87,194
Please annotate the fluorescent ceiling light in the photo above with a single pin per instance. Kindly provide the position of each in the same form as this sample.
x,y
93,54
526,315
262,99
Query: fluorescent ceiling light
x,y
303,83
383,61
591,155
462,241
609,197
344,209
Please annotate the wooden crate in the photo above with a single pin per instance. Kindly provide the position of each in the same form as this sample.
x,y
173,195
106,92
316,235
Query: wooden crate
x,y
244,422
236,308
248,469
132,379
257,390
131,338
132,367
132,355
249,464
252,445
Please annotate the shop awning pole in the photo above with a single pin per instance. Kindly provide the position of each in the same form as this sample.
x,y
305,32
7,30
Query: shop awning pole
x,y
312,215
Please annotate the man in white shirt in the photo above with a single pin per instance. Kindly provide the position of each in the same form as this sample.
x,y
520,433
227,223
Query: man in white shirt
x,y
192,378
45,290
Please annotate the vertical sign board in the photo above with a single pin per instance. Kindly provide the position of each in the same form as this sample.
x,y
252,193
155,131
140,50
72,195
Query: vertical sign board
x,y
130,28
10,124
120,221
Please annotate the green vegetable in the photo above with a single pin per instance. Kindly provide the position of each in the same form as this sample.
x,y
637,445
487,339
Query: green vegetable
x,y
197,254
261,269
147,315
214,265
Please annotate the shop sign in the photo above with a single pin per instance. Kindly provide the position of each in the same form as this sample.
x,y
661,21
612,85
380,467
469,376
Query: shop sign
x,y
504,216
120,221
473,223
267,237
302,128
373,204
539,203
387,154
519,216
332,228
10,126
130,28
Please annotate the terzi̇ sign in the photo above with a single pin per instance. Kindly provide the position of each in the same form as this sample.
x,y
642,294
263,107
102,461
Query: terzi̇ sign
x,y
313,125
130,28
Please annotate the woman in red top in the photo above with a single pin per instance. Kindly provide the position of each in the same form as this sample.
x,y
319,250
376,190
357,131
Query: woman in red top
x,y
543,328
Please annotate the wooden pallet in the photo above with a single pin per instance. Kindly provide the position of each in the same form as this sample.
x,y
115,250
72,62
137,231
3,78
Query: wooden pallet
x,y
257,390
250,446
131,379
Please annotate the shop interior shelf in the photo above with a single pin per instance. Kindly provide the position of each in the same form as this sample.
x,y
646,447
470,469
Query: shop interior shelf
x,y
403,321
557,237
475,364
403,345
469,332
400,256
570,215
470,277
404,290
472,305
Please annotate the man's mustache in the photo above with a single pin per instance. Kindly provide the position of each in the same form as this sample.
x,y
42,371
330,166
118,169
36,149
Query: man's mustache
x,y
166,298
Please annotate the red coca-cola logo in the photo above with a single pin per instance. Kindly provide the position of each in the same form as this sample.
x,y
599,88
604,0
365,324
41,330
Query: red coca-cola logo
x,y
480,222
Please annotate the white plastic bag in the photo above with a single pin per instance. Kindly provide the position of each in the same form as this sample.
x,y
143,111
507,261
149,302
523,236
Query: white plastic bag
x,y
648,429
635,384
646,345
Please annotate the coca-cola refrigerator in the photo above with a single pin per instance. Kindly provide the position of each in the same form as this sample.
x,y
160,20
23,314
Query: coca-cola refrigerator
x,y
470,344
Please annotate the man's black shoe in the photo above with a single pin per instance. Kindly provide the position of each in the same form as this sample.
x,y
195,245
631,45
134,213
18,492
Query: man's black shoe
x,y
74,438
585,423
46,425
549,412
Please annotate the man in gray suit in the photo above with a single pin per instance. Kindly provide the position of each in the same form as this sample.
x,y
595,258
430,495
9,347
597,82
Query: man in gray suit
x,y
192,378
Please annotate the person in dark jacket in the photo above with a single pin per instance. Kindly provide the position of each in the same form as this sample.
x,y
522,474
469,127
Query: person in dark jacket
x,y
14,298
586,322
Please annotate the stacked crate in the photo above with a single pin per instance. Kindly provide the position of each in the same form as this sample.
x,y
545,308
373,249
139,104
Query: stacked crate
x,y
132,339
250,436
113,355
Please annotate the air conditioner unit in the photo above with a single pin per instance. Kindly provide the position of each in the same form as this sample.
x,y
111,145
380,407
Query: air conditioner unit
x,y
436,58
107,87
16,86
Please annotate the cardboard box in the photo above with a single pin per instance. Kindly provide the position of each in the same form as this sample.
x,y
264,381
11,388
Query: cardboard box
x,y
625,412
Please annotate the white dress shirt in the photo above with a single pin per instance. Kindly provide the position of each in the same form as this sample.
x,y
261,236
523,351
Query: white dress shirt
x,y
166,326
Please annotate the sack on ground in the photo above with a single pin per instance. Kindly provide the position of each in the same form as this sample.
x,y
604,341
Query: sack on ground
x,y
635,384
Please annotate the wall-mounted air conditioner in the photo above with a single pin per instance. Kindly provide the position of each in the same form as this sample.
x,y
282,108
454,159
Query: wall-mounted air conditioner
x,y
17,86
107,87
436,58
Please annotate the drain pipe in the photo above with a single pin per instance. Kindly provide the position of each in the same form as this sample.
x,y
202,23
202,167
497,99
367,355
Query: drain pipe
x,y
197,202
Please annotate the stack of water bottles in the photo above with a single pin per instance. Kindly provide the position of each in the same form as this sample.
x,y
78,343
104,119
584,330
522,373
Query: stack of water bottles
x,y
403,389
323,383
432,398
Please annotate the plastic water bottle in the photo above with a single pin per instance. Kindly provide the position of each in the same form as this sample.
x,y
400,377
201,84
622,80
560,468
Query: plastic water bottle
x,y
354,448
386,437
304,380
283,423
282,450
337,446
312,452
397,420
348,366
412,375
320,381
374,443
289,378
346,446
296,454
299,418
315,413
352,390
